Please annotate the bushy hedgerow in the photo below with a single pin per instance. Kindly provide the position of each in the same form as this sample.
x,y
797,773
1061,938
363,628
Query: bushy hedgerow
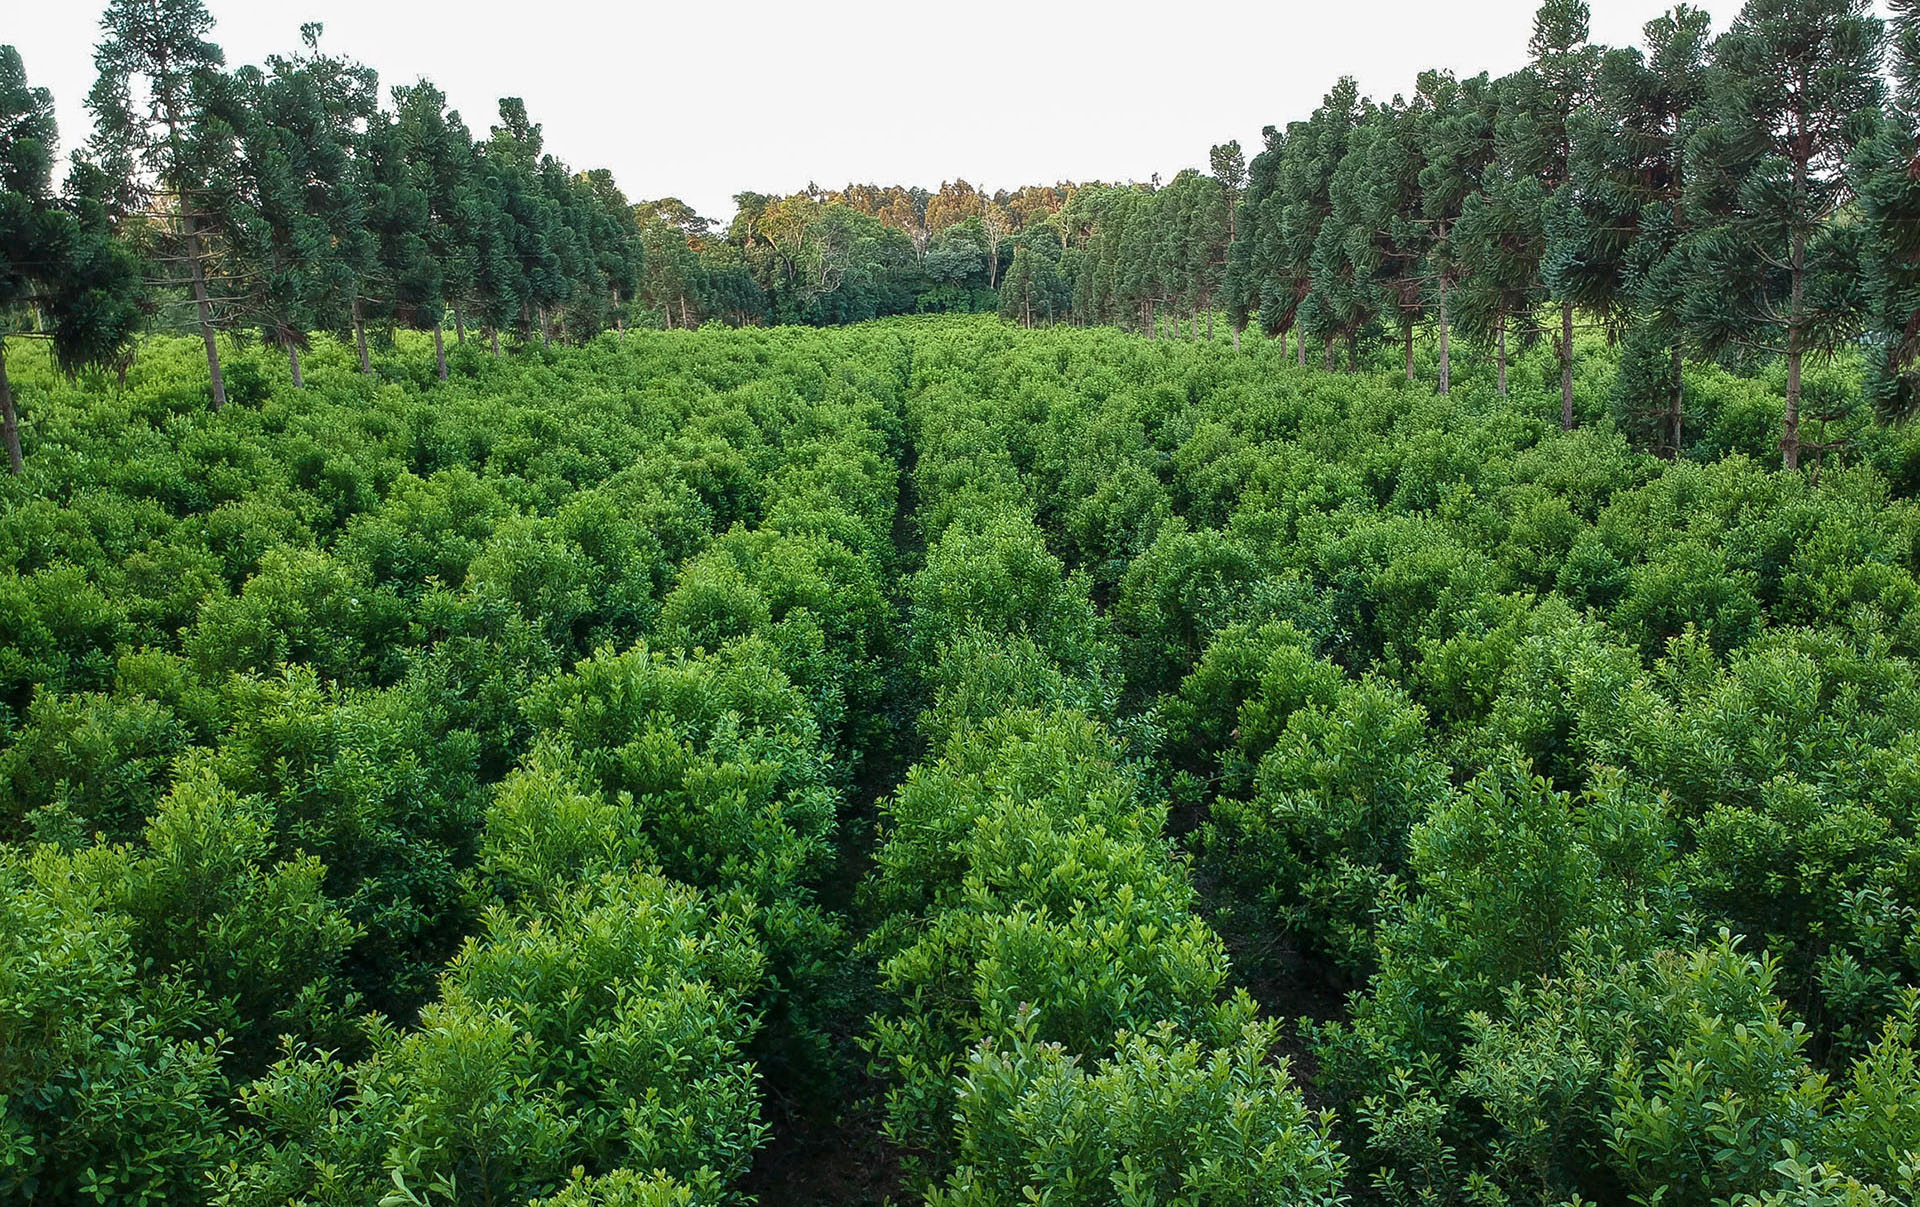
x,y
1589,778
1060,1025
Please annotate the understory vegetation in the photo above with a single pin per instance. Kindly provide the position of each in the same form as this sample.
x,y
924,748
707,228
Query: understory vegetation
x,y
939,761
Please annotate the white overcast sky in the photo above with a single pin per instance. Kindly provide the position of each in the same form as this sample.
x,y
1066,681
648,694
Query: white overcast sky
x,y
704,100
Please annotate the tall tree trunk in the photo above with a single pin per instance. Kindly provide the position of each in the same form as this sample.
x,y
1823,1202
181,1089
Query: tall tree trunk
x,y
1236,337
1446,343
1501,356
1677,407
1796,355
203,308
293,363
360,339
493,337
546,335
1300,347
1153,322
1326,355
1566,366
459,326
684,320
439,352
9,418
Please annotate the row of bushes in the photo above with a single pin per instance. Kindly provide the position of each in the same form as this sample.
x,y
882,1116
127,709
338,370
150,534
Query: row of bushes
x,y
539,748
1588,775
1062,1028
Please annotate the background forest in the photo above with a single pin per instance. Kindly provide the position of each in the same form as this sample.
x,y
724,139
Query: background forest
x,y
1387,673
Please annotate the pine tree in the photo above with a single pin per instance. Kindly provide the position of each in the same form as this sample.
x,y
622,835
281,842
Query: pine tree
x,y
308,243
1229,166
1252,260
1617,251
165,133
1792,85
1564,64
1458,143
1345,300
58,257
1887,173
1314,149
1500,239
443,216
1393,240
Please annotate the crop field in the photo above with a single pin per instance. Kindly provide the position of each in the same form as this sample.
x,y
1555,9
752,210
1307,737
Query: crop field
x,y
931,759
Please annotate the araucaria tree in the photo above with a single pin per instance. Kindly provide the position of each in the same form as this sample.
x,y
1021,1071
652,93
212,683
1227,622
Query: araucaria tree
x,y
56,257
1888,182
1793,86
164,114
1618,250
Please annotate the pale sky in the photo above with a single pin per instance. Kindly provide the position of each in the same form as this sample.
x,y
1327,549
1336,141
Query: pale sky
x,y
702,101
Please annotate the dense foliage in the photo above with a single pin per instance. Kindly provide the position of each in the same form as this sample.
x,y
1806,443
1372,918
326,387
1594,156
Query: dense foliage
x,y
1742,200
968,760
988,763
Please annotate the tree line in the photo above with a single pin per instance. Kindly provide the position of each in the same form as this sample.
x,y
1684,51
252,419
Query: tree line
x,y
1744,198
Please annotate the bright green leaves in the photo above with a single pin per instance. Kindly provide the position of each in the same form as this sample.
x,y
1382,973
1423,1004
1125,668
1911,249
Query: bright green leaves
x,y
1160,1121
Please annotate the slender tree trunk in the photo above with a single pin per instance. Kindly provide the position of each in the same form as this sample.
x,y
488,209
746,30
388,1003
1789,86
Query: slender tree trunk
x,y
203,308
1566,366
9,418
439,352
493,337
1796,356
293,363
459,326
1300,348
1326,355
546,336
1236,337
360,339
1446,342
1501,356
684,320
1153,322
1677,409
